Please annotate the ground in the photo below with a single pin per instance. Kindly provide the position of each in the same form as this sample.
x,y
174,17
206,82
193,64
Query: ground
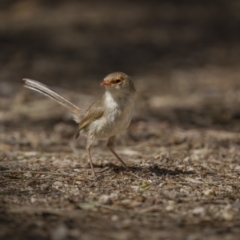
x,y
182,147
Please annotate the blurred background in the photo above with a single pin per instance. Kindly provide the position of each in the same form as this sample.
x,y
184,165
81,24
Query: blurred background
x,y
183,56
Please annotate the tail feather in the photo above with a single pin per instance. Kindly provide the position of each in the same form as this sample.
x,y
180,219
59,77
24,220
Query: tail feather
x,y
45,90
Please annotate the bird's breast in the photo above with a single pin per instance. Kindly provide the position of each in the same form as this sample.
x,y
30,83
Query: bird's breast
x,y
116,118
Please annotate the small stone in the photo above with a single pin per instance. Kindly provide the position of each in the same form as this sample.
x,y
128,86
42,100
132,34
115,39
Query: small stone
x,y
27,175
227,214
57,184
114,196
30,154
60,232
74,191
169,208
208,192
115,218
105,199
130,203
135,188
198,211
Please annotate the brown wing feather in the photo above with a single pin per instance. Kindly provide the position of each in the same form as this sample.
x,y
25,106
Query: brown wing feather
x,y
94,112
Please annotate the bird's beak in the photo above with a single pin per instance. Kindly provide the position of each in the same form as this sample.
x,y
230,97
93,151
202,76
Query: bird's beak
x,y
105,83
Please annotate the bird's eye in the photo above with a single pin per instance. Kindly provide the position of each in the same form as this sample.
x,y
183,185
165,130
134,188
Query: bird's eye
x,y
118,81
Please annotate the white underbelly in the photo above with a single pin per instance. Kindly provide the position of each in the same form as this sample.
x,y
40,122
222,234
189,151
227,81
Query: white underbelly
x,y
106,127
115,120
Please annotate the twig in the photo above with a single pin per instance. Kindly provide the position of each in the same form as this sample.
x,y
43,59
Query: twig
x,y
202,183
74,180
60,190
110,208
6,181
34,172
104,170
148,209
132,174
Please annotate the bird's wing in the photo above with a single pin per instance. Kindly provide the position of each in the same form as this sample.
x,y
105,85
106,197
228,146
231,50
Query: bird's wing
x,y
95,111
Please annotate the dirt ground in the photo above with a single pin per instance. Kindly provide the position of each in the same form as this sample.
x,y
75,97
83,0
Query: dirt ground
x,y
183,145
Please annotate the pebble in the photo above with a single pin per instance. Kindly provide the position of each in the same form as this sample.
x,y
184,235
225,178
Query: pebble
x,y
105,199
198,211
27,175
57,184
60,232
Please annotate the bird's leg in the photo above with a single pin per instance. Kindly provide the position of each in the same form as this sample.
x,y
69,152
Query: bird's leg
x,y
110,147
90,139
90,161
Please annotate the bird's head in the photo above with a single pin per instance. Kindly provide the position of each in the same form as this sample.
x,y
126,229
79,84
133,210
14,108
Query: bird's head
x,y
118,82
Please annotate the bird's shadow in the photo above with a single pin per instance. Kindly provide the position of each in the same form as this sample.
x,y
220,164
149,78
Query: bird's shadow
x,y
164,171
154,170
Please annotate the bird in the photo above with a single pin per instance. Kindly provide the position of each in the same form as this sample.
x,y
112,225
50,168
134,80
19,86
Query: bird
x,y
109,116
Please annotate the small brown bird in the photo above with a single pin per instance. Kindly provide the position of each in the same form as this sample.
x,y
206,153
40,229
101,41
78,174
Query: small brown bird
x,y
105,118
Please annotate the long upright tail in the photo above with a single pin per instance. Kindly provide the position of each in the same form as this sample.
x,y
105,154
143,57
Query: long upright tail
x,y
41,88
